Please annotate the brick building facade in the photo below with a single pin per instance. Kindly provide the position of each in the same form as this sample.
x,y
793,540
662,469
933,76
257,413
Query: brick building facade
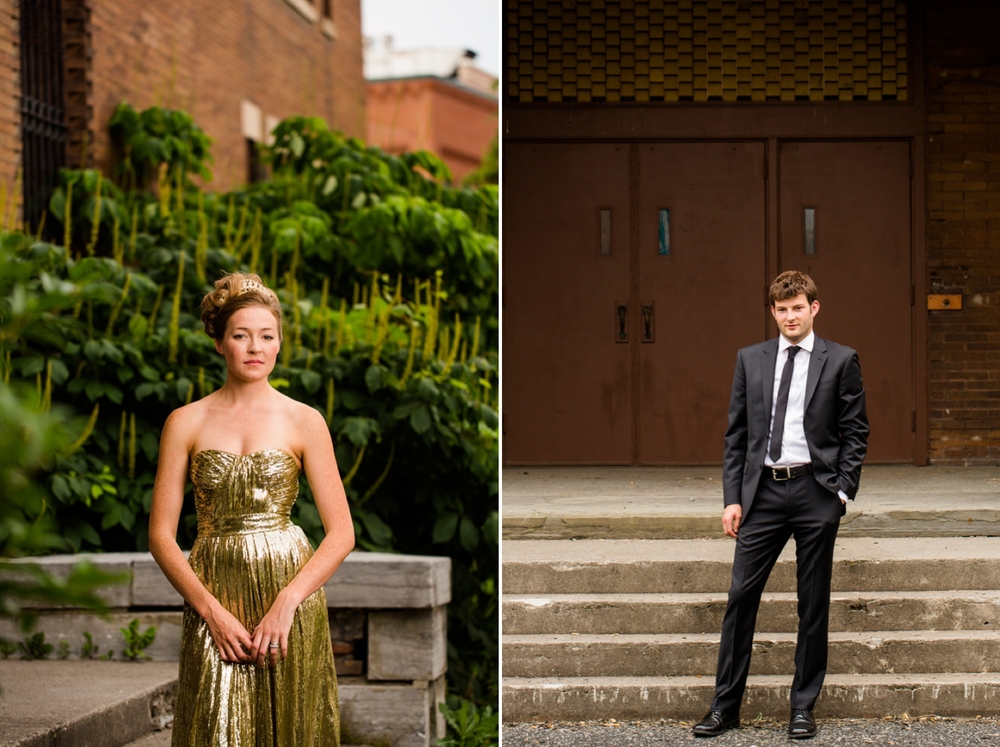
x,y
963,229
454,122
237,66
10,117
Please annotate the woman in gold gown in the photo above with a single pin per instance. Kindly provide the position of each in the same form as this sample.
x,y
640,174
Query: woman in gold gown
x,y
256,664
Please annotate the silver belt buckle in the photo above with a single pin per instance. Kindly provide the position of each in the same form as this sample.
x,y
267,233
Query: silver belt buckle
x,y
776,473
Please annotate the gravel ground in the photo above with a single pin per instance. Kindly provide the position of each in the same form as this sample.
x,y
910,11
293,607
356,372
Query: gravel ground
x,y
916,732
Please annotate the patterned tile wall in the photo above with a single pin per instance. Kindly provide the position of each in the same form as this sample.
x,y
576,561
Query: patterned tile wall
x,y
706,50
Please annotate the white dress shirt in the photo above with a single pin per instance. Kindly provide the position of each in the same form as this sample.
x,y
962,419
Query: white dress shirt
x,y
794,447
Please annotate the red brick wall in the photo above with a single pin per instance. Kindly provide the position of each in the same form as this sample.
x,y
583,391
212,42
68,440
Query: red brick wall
x,y
10,86
206,57
963,229
455,124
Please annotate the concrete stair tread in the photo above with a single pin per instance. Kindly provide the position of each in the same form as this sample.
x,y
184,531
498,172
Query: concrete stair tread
x,y
694,597
886,636
779,680
965,694
848,549
540,567
86,701
895,501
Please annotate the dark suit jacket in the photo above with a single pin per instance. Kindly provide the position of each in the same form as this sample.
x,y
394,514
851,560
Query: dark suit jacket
x,y
835,421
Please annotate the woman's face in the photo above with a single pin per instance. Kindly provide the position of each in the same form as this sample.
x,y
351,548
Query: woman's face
x,y
251,343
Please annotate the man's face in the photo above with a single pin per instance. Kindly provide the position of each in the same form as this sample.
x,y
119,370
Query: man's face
x,y
795,317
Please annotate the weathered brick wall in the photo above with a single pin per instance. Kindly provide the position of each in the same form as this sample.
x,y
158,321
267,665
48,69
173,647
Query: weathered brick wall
x,y
963,229
208,57
10,118
455,124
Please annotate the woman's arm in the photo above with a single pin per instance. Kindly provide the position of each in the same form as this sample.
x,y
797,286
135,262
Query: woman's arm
x,y
229,635
324,478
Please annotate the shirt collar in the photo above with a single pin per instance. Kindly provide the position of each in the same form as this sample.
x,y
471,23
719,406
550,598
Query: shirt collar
x,y
806,344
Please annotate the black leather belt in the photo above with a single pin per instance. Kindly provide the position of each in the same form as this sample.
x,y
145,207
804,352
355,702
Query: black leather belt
x,y
790,473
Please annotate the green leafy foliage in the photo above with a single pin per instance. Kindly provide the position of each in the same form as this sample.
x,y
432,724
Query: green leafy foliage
x,y
387,278
137,642
155,137
468,725
91,649
34,647
33,431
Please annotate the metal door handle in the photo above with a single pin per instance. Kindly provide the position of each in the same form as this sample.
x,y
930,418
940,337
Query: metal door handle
x,y
621,321
647,321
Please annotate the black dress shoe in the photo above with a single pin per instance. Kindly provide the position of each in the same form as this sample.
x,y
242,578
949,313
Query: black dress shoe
x,y
715,723
802,724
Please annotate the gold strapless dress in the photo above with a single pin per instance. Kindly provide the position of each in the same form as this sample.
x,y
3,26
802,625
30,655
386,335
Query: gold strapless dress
x,y
247,551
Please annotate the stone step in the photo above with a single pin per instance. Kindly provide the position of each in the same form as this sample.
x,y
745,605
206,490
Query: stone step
x,y
686,502
702,612
961,694
544,567
894,652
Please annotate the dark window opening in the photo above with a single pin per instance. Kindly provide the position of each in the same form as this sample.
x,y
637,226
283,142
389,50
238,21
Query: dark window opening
x,y
257,170
43,109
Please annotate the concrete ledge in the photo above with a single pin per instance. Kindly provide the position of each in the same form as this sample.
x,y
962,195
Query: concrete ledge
x,y
398,714
105,631
687,698
365,580
83,703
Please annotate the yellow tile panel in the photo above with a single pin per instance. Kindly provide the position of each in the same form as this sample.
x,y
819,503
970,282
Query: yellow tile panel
x,y
683,50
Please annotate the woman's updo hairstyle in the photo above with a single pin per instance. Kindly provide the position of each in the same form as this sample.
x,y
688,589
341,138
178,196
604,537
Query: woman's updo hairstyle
x,y
233,292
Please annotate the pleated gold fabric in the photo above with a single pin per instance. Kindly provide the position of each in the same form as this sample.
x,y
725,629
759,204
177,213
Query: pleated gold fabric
x,y
247,551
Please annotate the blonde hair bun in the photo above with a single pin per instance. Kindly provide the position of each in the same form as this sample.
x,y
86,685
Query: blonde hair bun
x,y
233,292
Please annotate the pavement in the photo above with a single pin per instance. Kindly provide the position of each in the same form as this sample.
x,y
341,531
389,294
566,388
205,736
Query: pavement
x,y
903,732
686,502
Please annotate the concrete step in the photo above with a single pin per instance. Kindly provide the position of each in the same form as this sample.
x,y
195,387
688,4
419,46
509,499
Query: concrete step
x,y
894,652
701,612
544,567
83,703
686,502
687,698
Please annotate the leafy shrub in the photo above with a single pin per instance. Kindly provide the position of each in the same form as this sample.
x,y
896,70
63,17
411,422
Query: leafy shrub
x,y
468,726
34,647
137,642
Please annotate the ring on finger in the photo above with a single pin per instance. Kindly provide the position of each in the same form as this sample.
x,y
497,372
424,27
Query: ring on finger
x,y
274,645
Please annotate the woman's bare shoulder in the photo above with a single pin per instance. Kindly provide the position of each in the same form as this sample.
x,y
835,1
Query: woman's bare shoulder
x,y
185,422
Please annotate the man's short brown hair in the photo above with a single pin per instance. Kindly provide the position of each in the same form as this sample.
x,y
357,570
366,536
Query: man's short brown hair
x,y
790,284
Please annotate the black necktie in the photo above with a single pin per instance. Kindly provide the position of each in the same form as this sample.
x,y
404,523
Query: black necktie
x,y
778,429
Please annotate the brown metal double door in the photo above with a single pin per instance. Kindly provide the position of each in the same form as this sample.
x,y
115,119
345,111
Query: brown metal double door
x,y
632,274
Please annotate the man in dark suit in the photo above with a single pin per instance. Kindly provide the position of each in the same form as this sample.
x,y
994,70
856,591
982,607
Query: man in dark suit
x,y
796,439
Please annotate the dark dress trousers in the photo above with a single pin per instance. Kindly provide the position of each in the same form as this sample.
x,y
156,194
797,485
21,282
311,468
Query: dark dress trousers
x,y
807,507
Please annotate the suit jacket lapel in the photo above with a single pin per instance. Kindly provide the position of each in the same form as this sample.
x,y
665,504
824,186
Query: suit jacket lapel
x,y
816,361
769,359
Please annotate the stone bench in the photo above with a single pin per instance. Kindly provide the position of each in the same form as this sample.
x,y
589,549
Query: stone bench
x,y
388,625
